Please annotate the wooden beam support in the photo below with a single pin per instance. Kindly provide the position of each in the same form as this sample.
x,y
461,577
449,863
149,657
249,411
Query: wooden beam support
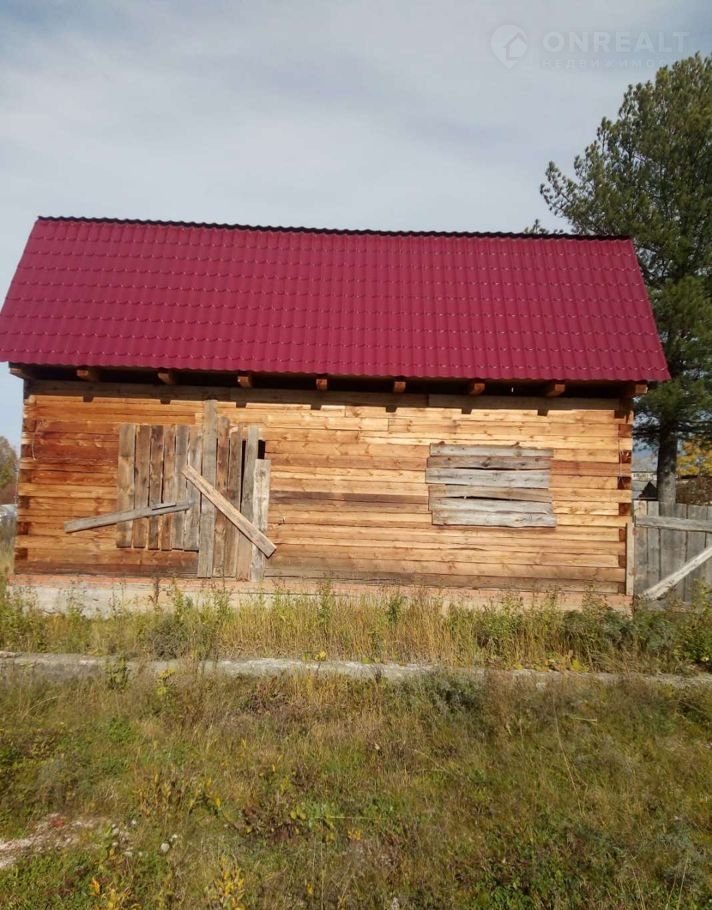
x,y
244,380
322,383
634,389
167,377
399,386
114,518
475,388
21,372
232,514
88,374
554,389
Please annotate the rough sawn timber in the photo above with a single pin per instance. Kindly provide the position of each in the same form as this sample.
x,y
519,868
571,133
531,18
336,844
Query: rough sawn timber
x,y
347,471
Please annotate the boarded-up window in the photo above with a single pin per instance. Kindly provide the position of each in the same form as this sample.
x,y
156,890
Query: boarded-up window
x,y
492,486
152,462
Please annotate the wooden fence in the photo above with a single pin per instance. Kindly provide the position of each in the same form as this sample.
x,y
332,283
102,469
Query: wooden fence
x,y
660,551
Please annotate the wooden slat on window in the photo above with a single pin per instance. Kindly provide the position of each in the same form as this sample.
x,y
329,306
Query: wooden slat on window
x,y
221,484
125,481
261,508
142,462
181,489
191,527
233,538
165,535
206,537
244,556
155,483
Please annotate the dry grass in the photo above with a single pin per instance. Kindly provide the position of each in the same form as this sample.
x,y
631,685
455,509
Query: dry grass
x,y
397,627
311,792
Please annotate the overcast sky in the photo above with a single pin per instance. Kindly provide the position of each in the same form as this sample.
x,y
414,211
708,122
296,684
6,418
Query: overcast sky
x,y
331,113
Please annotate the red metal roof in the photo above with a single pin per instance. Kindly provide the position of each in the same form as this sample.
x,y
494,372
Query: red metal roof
x,y
108,293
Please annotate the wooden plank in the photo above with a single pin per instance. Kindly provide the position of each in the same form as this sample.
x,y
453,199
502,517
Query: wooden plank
x,y
181,487
655,574
234,495
502,479
641,547
191,527
221,485
662,587
494,506
674,523
142,463
261,510
521,493
630,559
672,544
112,518
446,448
125,481
504,462
445,516
231,513
155,483
206,539
165,534
244,556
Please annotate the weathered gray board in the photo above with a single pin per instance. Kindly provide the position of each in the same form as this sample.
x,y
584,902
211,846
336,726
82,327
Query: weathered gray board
x,y
489,486
661,550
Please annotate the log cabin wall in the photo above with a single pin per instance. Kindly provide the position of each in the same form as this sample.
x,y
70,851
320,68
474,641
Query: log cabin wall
x,y
349,498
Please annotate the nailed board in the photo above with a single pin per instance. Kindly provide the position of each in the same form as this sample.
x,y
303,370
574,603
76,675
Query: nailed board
x,y
490,486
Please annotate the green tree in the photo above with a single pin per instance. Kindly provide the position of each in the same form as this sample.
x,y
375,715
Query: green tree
x,y
648,174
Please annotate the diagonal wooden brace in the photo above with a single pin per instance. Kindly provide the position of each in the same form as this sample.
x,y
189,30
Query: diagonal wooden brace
x,y
233,515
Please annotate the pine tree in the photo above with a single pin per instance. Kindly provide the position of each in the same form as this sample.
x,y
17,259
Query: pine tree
x,y
648,174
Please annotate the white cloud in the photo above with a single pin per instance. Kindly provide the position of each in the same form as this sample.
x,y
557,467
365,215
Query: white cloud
x,y
316,112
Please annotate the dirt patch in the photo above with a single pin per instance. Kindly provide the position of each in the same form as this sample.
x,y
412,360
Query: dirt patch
x,y
52,833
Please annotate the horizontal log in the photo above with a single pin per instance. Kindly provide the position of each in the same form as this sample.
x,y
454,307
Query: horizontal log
x,y
113,518
287,496
582,539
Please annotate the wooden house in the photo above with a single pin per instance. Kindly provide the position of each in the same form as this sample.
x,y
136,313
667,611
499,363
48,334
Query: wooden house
x,y
264,404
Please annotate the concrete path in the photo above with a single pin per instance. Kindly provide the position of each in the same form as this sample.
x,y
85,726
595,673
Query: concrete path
x,y
59,667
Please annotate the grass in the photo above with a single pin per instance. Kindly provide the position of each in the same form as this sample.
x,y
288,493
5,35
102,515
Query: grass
x,y
320,792
395,627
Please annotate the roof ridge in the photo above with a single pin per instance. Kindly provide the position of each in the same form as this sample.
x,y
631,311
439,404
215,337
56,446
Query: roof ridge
x,y
296,229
